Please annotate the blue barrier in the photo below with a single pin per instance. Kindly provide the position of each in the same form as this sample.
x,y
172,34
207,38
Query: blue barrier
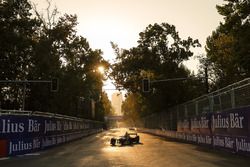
x,y
22,134
228,130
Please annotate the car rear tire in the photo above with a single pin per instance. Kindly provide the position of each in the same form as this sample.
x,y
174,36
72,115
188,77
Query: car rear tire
x,y
112,142
137,139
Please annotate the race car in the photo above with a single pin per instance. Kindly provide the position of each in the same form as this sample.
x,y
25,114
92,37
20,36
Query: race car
x,y
128,139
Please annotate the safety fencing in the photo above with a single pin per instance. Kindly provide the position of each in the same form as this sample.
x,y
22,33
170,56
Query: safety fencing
x,y
23,132
220,119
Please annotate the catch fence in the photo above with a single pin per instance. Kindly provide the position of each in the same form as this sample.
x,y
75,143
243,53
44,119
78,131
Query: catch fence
x,y
236,95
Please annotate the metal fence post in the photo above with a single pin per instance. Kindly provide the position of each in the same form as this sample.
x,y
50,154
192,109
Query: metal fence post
x,y
196,108
24,96
171,121
211,103
186,111
232,98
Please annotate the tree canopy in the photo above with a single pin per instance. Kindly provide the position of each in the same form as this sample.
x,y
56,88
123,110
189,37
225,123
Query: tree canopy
x,y
38,48
228,46
159,55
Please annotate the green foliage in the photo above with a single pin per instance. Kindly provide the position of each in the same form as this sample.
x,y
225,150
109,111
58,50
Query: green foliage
x,y
228,47
159,55
37,48
133,107
17,29
107,108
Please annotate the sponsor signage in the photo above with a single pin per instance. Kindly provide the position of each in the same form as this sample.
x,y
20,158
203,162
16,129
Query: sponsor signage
x,y
239,145
236,144
25,134
201,124
11,126
3,148
228,130
235,122
183,125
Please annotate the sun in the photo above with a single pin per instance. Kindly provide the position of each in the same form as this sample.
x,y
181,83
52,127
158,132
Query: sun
x,y
101,69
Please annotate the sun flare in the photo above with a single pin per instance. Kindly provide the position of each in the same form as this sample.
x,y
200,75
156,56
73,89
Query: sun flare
x,y
101,69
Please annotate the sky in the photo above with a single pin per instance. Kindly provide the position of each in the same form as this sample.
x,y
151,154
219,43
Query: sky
x,y
120,21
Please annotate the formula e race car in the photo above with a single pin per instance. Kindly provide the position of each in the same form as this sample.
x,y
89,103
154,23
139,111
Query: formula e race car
x,y
127,139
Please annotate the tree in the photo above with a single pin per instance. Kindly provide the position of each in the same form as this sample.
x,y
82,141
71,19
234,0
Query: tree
x,y
40,48
107,107
133,108
159,55
227,48
70,58
17,31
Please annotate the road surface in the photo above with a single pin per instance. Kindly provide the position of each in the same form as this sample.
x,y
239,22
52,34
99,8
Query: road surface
x,y
95,151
